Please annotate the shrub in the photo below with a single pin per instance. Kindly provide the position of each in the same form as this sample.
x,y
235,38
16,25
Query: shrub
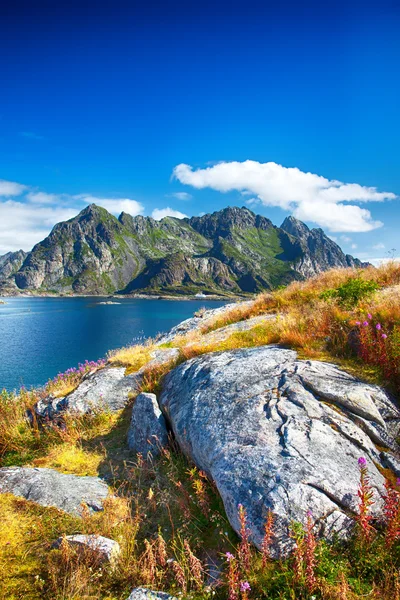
x,y
350,293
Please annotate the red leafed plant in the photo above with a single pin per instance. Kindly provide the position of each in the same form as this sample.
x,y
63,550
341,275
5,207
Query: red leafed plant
x,y
365,502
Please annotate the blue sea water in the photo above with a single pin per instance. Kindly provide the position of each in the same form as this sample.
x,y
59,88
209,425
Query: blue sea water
x,y
40,337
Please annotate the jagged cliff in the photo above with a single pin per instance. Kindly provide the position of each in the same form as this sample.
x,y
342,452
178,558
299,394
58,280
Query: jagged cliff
x,y
231,251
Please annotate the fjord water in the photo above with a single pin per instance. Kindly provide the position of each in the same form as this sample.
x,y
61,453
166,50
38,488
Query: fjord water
x,y
40,337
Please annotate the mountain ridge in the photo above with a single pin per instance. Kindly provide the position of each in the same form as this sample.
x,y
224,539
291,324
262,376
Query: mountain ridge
x,y
230,252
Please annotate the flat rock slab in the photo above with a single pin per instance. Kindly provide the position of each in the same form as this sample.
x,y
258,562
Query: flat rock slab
x,y
223,333
145,594
105,549
148,431
197,323
51,488
278,433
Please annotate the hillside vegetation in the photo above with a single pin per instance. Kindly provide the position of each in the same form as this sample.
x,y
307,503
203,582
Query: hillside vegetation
x,y
166,509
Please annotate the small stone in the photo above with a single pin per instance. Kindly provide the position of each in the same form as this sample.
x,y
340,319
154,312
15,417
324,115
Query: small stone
x,y
105,549
147,432
145,594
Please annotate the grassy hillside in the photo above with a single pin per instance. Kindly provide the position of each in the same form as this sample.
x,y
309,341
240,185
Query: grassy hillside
x,y
167,509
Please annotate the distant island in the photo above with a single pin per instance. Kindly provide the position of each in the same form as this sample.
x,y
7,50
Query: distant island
x,y
232,252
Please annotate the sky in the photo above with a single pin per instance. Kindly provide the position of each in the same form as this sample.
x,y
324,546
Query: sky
x,y
176,108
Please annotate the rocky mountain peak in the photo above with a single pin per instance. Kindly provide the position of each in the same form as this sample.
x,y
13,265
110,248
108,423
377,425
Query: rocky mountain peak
x,y
295,227
222,222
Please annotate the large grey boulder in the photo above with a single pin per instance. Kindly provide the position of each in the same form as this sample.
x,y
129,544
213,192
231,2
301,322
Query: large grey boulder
x,y
278,433
104,549
51,488
145,594
147,432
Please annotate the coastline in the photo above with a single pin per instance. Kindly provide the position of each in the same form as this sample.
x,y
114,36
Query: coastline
x,y
186,298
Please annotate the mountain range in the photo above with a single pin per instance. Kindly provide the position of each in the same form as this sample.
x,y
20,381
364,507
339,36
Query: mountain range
x,y
230,252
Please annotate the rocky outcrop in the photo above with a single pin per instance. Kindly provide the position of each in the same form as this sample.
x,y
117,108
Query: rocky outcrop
x,y
107,389
10,263
232,251
197,322
317,252
51,488
147,432
145,594
103,549
274,432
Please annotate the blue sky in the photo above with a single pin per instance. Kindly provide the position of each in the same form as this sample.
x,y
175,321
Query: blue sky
x,y
108,102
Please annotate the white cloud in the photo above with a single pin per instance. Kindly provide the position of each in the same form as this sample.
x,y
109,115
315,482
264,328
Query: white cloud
x,y
354,246
160,213
29,220
379,246
310,197
180,195
42,198
345,238
381,261
22,225
114,205
10,188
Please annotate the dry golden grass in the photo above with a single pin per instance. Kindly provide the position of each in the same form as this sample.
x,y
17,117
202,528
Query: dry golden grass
x,y
132,357
71,458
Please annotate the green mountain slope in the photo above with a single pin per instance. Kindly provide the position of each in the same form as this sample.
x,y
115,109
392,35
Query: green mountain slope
x,y
233,251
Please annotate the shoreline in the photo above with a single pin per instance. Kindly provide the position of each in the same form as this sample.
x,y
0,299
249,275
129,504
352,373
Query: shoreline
x,y
217,298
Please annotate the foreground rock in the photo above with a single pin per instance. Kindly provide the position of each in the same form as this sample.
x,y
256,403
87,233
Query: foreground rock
x,y
103,549
278,433
51,488
108,389
147,432
145,594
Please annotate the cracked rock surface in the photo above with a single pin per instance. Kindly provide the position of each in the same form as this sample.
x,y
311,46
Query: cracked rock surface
x,y
279,433
146,594
51,488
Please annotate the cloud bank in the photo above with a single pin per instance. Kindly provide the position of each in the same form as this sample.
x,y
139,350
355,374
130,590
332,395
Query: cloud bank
x,y
160,213
28,219
308,196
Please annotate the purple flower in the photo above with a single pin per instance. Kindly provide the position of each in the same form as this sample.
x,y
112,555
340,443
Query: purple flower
x,y
358,323
229,556
362,462
384,336
398,481
365,324
369,316
378,326
245,586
